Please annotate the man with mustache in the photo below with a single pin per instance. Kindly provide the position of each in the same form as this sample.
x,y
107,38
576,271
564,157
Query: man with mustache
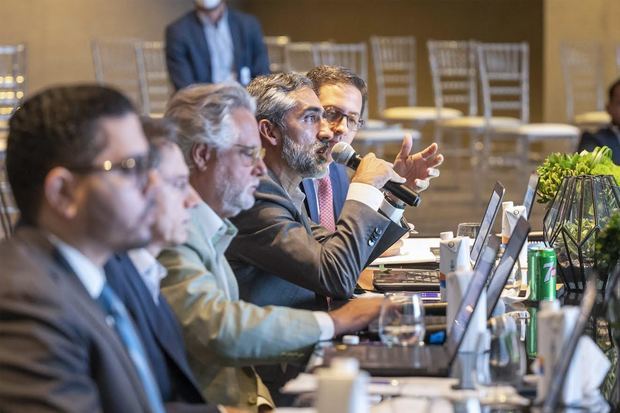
x,y
279,256
224,335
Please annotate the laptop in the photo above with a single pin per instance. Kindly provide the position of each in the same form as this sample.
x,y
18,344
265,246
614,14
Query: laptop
x,y
502,271
427,279
530,194
429,360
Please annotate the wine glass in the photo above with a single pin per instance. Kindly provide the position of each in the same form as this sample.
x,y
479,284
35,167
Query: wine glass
x,y
401,321
468,229
503,363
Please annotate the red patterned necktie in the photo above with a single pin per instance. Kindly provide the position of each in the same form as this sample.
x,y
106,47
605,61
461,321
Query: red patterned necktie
x,y
326,203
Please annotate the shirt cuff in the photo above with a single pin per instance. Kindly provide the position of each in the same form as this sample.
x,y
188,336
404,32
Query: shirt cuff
x,y
393,213
326,325
366,194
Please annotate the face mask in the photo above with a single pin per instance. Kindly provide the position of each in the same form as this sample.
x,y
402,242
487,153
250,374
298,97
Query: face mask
x,y
208,4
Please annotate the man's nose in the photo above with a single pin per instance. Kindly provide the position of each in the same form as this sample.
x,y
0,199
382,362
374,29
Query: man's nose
x,y
260,168
325,132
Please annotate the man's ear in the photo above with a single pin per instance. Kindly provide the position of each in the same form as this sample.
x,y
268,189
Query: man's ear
x,y
200,154
269,133
61,192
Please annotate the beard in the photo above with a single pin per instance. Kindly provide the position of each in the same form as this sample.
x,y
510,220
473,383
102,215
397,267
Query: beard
x,y
234,199
310,161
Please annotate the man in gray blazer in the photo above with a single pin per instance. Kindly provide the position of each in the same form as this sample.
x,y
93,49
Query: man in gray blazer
x,y
224,335
80,170
279,256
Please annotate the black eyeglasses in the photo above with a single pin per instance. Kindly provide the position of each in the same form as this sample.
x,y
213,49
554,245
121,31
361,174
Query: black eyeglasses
x,y
135,166
334,117
252,153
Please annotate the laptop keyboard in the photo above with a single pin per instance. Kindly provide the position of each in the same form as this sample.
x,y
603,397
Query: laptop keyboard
x,y
408,276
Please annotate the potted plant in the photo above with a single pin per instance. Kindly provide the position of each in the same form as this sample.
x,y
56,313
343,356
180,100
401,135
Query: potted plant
x,y
581,192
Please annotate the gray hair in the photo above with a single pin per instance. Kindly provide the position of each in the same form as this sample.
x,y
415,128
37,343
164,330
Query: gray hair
x,y
203,114
272,93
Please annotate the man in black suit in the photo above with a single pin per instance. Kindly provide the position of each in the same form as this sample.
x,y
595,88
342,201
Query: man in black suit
x,y
81,174
609,135
213,44
135,276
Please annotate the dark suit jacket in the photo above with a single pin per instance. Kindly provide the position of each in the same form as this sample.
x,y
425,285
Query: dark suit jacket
x,y
340,185
602,137
57,354
187,51
160,334
280,258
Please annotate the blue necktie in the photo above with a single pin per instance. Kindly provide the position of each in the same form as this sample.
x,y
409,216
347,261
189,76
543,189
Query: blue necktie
x,y
126,331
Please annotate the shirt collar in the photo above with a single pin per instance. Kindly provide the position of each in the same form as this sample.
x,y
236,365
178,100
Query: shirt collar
x,y
89,274
291,187
217,230
150,270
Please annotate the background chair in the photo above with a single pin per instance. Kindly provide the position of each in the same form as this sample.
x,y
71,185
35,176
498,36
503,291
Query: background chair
x,y
300,56
12,80
455,83
277,55
153,78
582,67
116,64
394,60
504,77
8,211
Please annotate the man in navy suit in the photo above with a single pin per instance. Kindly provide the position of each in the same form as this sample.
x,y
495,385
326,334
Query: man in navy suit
x,y
610,134
213,44
343,95
135,277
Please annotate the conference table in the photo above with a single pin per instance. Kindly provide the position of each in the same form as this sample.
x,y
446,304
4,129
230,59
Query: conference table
x,y
422,394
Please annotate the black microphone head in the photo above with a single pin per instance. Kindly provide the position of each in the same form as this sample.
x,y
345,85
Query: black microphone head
x,y
342,152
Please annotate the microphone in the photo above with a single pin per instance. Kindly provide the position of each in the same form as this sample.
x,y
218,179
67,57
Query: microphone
x,y
344,154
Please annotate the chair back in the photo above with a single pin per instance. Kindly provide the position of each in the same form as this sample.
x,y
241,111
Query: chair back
x,y
276,51
454,74
12,79
8,210
582,67
394,59
300,56
154,82
353,56
504,79
116,64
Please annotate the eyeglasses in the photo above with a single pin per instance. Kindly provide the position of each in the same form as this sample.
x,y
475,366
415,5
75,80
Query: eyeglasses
x,y
253,154
334,117
137,167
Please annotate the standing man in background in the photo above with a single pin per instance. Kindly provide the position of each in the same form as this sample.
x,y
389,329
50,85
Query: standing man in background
x,y
214,44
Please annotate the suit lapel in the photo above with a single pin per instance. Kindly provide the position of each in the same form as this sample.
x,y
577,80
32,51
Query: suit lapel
x,y
160,320
67,280
197,34
310,201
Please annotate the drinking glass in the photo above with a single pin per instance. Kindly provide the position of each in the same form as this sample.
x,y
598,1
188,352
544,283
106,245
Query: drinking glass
x,y
506,354
401,321
468,229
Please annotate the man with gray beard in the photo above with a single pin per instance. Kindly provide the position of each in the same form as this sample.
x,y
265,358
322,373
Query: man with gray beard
x,y
279,256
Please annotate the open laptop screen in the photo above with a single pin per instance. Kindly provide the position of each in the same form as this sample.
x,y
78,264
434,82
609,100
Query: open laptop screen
x,y
498,280
471,297
530,194
488,219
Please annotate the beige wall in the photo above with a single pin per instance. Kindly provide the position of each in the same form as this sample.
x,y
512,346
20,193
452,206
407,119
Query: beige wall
x,y
357,20
58,32
576,20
